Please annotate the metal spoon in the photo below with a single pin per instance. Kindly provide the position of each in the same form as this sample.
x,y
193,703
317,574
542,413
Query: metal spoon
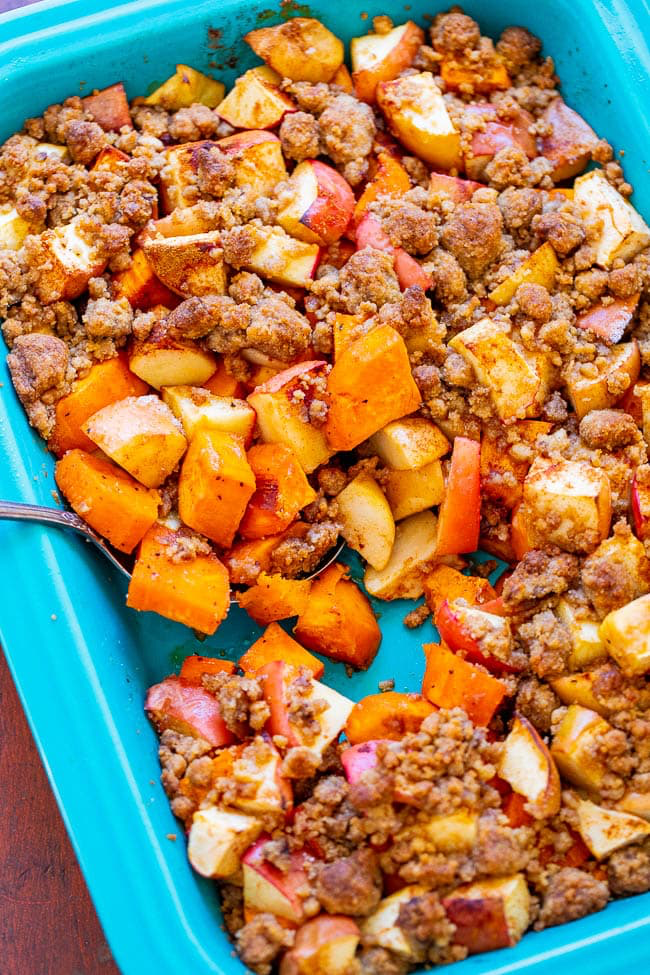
x,y
13,511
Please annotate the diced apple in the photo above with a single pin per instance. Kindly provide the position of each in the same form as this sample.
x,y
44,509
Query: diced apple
x,y
454,833
217,840
588,384
109,108
587,646
268,889
69,258
502,472
13,229
368,524
259,163
458,190
189,265
110,160
540,268
409,443
409,492
636,803
626,559
140,434
320,204
579,689
326,944
618,230
609,321
369,233
641,506
496,134
140,286
188,709
570,143
301,49
575,748
281,417
162,360
626,635
359,759
186,87
198,409
567,503
264,790
412,554
501,366
283,259
490,914
381,927
382,57
526,764
178,186
417,115
256,101
485,638
606,830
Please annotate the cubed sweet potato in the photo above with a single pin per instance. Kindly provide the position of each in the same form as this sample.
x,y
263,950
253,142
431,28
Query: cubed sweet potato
x,y
141,286
106,382
444,582
223,384
275,598
451,682
338,620
111,501
389,715
191,591
195,666
276,644
281,491
369,385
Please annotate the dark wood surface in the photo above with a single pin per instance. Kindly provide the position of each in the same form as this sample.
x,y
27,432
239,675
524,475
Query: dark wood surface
x,y
48,925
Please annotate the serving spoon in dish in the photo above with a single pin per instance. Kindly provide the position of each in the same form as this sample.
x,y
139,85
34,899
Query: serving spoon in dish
x,y
16,511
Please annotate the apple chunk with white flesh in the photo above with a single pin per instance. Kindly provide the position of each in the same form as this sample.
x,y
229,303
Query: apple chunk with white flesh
x,y
621,231
490,914
326,945
417,115
606,830
68,258
319,204
162,360
569,144
382,57
575,748
571,500
13,229
626,635
415,547
256,101
198,409
217,840
264,791
381,926
301,49
410,492
282,259
188,709
368,524
409,443
527,765
268,889
189,265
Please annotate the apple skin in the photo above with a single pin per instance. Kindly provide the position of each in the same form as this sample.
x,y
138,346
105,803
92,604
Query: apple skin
x,y
361,758
260,875
369,233
489,914
330,213
609,322
455,634
525,763
399,57
109,108
569,145
459,190
497,135
641,508
188,709
326,944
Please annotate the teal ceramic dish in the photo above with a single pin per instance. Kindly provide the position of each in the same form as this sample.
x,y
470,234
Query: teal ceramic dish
x,y
81,660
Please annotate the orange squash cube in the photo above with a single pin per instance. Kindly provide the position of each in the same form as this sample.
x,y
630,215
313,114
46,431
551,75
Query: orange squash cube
x,y
195,666
215,485
390,715
451,682
276,644
141,286
281,491
275,598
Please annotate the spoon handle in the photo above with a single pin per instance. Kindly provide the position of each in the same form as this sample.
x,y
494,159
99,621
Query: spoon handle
x,y
13,511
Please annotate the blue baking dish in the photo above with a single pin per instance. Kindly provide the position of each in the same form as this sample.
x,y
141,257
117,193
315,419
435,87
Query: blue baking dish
x,y
80,659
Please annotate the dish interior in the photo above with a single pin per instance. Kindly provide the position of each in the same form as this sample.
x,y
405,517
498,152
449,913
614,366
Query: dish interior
x,y
81,660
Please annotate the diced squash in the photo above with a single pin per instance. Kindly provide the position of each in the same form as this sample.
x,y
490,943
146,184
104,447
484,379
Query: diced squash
x,y
410,559
111,501
281,491
275,598
389,715
503,476
223,384
140,434
345,330
445,583
338,620
245,560
459,75
215,485
409,492
186,87
540,268
451,682
369,385
105,383
140,285
391,179
276,644
191,591
195,666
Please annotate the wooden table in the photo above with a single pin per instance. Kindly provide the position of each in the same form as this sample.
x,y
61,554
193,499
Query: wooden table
x,y
48,925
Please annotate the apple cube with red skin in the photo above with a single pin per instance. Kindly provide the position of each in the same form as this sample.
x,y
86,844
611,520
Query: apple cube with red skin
x,y
301,49
281,419
382,57
68,258
497,134
319,206
188,709
458,190
256,101
609,321
589,392
490,914
217,839
381,927
570,142
528,766
471,629
359,759
369,233
189,265
278,678
270,890
326,945
109,108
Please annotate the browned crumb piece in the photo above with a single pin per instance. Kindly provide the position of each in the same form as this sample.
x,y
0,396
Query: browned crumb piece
x,y
424,921
215,170
193,123
85,141
238,245
616,573
449,278
351,885
347,129
540,573
517,46
299,135
379,961
411,227
628,871
548,642
534,301
260,942
368,277
242,705
608,429
186,546
177,753
327,817
571,894
417,617
104,318
536,701
331,480
300,762
473,235
454,33
561,230
427,378
277,329
38,365
232,907
13,281
299,556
